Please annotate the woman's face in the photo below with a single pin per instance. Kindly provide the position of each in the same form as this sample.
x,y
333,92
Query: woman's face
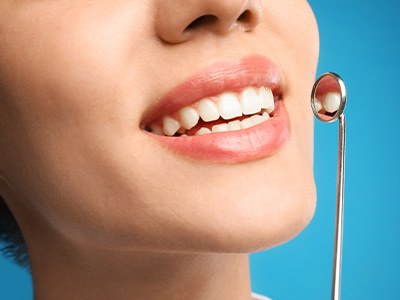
x,y
82,81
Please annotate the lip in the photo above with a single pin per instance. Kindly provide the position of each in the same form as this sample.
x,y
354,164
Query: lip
x,y
232,146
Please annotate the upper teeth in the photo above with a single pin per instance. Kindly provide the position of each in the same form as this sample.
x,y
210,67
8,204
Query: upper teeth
x,y
227,105
317,105
330,104
188,117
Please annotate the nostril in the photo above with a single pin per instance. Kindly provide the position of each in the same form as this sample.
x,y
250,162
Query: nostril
x,y
248,20
201,21
245,17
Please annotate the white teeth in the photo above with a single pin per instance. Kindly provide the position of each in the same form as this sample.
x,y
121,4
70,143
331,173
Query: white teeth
x,y
220,128
188,117
317,105
234,125
254,120
156,129
246,123
267,99
250,101
208,110
203,130
332,102
257,119
266,116
229,106
170,125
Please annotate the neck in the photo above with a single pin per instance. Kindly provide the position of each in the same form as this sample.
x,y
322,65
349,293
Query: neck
x,y
65,272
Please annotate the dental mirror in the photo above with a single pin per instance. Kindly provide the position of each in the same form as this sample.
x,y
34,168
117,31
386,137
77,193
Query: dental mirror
x,y
328,100
328,97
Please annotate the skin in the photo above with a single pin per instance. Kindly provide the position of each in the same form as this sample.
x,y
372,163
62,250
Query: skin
x,y
107,213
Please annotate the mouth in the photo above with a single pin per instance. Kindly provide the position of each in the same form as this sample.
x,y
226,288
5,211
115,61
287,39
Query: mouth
x,y
229,112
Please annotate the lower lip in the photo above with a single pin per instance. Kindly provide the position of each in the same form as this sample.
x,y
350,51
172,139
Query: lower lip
x,y
248,144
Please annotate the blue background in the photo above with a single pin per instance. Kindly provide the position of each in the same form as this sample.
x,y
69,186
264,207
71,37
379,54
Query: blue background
x,y
360,41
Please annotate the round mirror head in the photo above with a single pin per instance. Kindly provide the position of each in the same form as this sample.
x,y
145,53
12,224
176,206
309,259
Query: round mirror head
x,y
328,97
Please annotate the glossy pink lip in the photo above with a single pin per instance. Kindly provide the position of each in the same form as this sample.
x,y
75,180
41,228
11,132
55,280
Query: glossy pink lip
x,y
232,146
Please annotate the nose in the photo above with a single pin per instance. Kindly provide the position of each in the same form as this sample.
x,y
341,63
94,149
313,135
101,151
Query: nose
x,y
178,21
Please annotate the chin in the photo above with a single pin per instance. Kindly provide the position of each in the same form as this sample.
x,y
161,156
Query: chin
x,y
253,222
262,230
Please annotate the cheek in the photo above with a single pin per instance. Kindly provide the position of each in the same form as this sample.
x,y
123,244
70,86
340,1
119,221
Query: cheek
x,y
292,24
51,51
59,69
58,73
295,23
296,18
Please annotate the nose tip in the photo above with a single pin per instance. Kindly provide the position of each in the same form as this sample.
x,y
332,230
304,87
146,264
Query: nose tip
x,y
180,21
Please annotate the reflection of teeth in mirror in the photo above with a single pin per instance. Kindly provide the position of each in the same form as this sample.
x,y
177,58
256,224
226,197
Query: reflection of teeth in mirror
x,y
317,105
332,102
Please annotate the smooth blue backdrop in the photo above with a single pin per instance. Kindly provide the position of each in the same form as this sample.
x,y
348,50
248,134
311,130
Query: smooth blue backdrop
x,y
360,41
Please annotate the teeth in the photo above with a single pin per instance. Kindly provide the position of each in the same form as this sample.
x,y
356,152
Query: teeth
x,y
317,105
246,123
234,125
332,102
156,129
203,130
266,116
188,117
208,110
267,99
170,125
220,128
257,119
250,101
229,106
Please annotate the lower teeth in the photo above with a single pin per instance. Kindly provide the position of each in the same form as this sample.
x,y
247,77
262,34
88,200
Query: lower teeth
x,y
234,125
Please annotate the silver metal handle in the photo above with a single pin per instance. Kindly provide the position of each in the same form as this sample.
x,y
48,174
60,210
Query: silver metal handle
x,y
338,246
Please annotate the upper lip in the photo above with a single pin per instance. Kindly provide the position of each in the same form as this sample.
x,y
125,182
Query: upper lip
x,y
232,75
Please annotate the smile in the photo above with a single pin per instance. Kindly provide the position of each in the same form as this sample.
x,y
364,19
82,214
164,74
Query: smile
x,y
246,109
229,112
